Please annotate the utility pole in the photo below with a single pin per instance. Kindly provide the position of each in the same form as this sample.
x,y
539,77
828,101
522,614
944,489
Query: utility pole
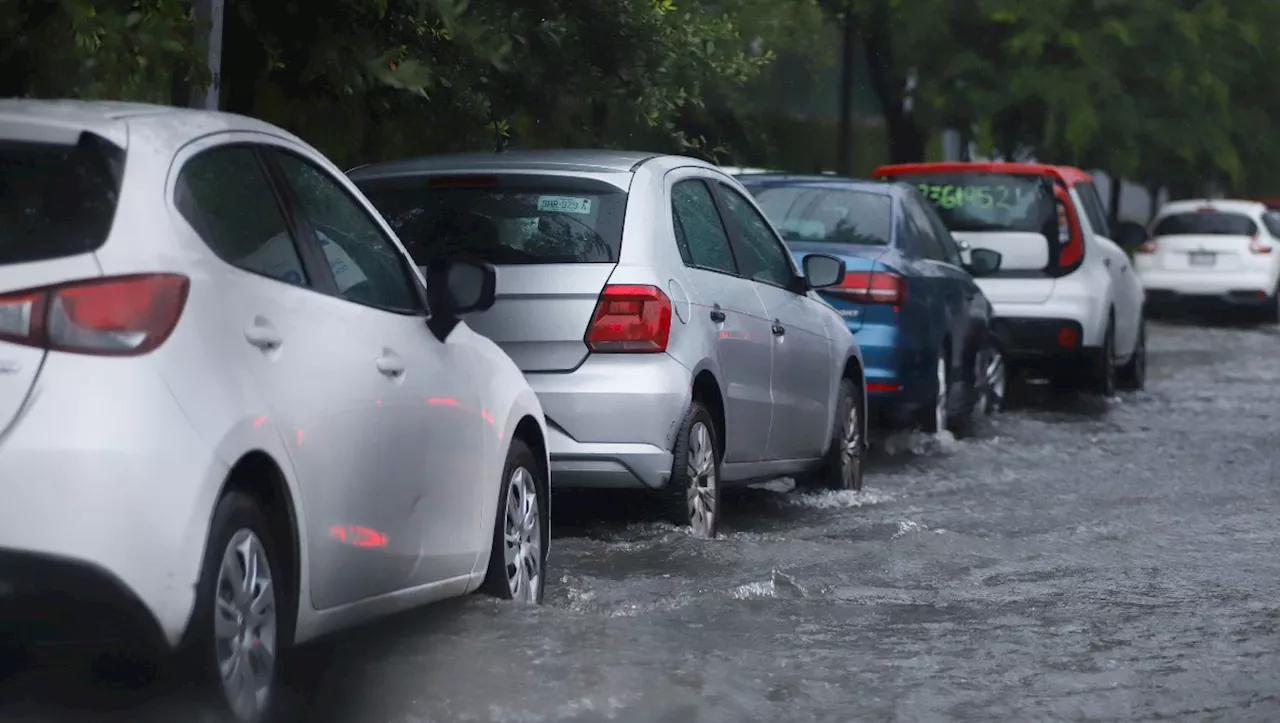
x,y
844,138
209,16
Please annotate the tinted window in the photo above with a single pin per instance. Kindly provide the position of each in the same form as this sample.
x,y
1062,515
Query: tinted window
x,y
828,215
700,234
1094,208
1205,223
763,256
977,201
57,200
503,220
1271,219
926,236
366,264
950,250
224,194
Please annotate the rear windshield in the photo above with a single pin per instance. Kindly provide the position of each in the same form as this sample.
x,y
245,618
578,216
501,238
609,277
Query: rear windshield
x,y
57,200
503,220
805,213
976,201
1205,223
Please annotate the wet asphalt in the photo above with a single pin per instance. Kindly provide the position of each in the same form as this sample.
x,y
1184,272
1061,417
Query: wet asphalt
x,y
1074,560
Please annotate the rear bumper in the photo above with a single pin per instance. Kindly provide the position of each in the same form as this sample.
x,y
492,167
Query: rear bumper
x,y
1226,287
612,423
1029,339
105,494
1174,300
899,376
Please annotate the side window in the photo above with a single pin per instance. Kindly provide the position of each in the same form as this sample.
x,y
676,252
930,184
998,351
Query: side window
x,y
366,264
764,258
950,249
699,232
927,242
225,196
1271,219
1094,209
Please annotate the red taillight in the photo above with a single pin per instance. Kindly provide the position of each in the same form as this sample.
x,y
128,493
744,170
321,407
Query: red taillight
x,y
871,287
1070,237
1258,246
118,316
1148,247
630,319
1067,337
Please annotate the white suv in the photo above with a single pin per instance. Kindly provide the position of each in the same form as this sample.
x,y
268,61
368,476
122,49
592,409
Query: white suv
x,y
228,422
1212,253
1067,303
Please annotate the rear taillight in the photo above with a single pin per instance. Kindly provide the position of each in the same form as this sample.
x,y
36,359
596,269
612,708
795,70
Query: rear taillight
x,y
871,287
1147,247
630,318
1258,246
1070,237
116,316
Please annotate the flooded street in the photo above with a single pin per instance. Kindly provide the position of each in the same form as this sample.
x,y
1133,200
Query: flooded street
x,y
1073,561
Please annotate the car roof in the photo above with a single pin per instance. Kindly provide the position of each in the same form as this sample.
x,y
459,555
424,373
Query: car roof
x,y
862,185
587,161
1225,205
1067,174
168,127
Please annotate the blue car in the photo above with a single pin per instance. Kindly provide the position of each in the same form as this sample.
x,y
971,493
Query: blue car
x,y
908,294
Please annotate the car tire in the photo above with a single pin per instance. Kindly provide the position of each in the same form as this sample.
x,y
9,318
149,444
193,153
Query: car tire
x,y
842,467
1271,312
993,385
521,531
1104,372
241,622
1133,375
693,496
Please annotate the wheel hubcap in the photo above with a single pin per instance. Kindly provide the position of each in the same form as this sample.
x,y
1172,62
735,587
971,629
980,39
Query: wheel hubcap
x,y
995,376
523,537
851,447
701,473
245,626
940,408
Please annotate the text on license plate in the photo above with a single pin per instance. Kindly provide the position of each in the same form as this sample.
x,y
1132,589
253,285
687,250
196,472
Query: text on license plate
x,y
1201,258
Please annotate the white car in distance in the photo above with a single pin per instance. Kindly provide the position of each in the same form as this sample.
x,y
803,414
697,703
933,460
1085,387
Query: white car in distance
x,y
233,415
1202,254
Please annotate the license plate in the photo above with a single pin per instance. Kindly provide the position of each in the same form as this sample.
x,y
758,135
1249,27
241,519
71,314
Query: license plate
x,y
1201,258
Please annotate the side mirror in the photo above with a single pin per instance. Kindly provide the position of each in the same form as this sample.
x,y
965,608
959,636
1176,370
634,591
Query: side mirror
x,y
821,270
1131,235
456,287
984,262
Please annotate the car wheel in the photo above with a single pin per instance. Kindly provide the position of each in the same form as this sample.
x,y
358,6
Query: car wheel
x,y
1133,375
1105,372
518,556
842,467
239,625
694,499
993,380
1271,312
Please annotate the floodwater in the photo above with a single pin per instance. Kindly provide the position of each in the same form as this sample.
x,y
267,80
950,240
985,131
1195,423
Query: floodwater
x,y
1075,560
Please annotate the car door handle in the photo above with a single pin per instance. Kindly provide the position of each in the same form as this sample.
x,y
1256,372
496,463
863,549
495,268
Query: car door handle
x,y
717,314
263,336
390,364
778,328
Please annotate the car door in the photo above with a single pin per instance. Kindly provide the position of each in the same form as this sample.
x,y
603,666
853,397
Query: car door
x,y
969,316
284,327
802,359
726,308
430,428
949,301
1127,293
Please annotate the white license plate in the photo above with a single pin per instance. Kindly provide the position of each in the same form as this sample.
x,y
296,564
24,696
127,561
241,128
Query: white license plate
x,y
1201,258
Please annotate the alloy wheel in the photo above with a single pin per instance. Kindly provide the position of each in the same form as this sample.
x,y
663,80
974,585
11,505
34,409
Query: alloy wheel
x,y
245,626
703,487
851,449
995,381
940,405
522,535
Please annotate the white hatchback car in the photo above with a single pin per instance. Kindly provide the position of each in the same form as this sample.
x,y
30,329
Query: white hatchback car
x,y
1212,253
233,416
1068,305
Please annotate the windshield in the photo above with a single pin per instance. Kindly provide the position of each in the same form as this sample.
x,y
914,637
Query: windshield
x,y
528,220
1205,223
57,200
803,213
975,201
